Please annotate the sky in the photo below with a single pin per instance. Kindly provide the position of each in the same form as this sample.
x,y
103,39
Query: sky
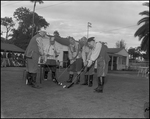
x,y
111,21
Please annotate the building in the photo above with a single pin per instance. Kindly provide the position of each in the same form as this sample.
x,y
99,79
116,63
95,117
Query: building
x,y
119,59
11,47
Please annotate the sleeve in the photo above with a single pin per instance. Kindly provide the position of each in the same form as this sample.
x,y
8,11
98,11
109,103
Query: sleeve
x,y
96,52
83,54
69,54
40,45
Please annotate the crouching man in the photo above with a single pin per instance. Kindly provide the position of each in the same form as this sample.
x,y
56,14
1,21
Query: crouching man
x,y
100,57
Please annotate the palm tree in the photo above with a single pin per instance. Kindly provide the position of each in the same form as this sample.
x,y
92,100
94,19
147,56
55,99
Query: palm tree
x,y
35,1
143,31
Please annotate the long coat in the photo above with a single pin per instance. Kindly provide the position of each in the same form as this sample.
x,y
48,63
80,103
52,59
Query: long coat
x,y
33,51
102,62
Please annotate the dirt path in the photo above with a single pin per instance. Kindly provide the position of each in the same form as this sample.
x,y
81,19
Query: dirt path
x,y
124,96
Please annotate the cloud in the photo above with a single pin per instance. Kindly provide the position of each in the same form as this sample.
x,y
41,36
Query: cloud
x,y
109,18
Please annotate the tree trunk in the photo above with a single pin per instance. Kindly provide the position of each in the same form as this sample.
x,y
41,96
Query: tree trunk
x,y
33,18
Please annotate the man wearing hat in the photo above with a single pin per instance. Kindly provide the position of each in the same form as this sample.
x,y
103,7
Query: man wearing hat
x,y
100,58
75,58
32,54
51,55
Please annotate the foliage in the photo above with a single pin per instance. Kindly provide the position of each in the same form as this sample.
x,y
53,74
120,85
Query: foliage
x,y
134,52
120,44
22,35
8,23
143,31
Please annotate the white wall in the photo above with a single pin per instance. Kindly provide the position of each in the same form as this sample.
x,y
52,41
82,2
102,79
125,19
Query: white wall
x,y
61,48
124,53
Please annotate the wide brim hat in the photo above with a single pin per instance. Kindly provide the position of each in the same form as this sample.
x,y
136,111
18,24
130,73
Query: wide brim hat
x,y
91,39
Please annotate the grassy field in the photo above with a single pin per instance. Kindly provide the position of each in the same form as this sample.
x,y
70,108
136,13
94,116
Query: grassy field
x,y
123,97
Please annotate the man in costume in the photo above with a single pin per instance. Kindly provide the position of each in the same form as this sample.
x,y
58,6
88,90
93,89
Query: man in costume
x,y
75,58
100,58
32,54
51,55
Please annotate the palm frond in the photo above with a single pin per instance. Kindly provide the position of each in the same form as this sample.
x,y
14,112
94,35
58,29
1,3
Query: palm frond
x,y
143,30
39,1
146,4
145,43
144,13
145,19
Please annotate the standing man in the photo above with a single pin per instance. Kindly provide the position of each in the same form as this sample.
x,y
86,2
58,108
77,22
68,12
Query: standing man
x,y
51,55
99,54
75,58
85,53
32,53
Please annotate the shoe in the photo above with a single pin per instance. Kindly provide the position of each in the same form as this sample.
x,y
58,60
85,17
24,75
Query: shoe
x,y
91,81
33,79
45,79
70,78
78,79
99,89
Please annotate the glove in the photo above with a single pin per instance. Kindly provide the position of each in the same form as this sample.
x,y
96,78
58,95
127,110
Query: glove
x,y
89,63
71,61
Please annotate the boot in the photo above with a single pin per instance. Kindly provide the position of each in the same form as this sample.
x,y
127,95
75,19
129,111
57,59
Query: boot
x,y
103,80
70,78
54,77
91,81
85,80
98,82
100,86
34,84
45,75
78,79
29,78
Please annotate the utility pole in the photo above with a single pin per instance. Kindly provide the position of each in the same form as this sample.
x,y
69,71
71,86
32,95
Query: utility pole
x,y
88,26
33,25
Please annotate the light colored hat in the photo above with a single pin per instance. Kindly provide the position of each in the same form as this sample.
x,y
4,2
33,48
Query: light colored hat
x,y
41,31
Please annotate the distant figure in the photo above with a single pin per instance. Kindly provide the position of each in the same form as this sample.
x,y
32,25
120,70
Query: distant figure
x,y
4,64
9,55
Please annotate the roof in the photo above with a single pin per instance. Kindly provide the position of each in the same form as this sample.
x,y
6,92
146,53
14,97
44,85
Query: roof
x,y
63,41
11,47
114,50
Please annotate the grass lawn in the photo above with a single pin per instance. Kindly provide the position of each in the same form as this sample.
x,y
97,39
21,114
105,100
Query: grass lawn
x,y
124,96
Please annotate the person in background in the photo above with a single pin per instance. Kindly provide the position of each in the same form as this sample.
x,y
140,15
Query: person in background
x,y
4,62
1,58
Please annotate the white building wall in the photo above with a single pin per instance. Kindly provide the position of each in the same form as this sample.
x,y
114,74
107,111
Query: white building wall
x,y
124,53
61,48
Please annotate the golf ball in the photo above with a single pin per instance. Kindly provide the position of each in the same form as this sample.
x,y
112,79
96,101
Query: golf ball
x,y
64,86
